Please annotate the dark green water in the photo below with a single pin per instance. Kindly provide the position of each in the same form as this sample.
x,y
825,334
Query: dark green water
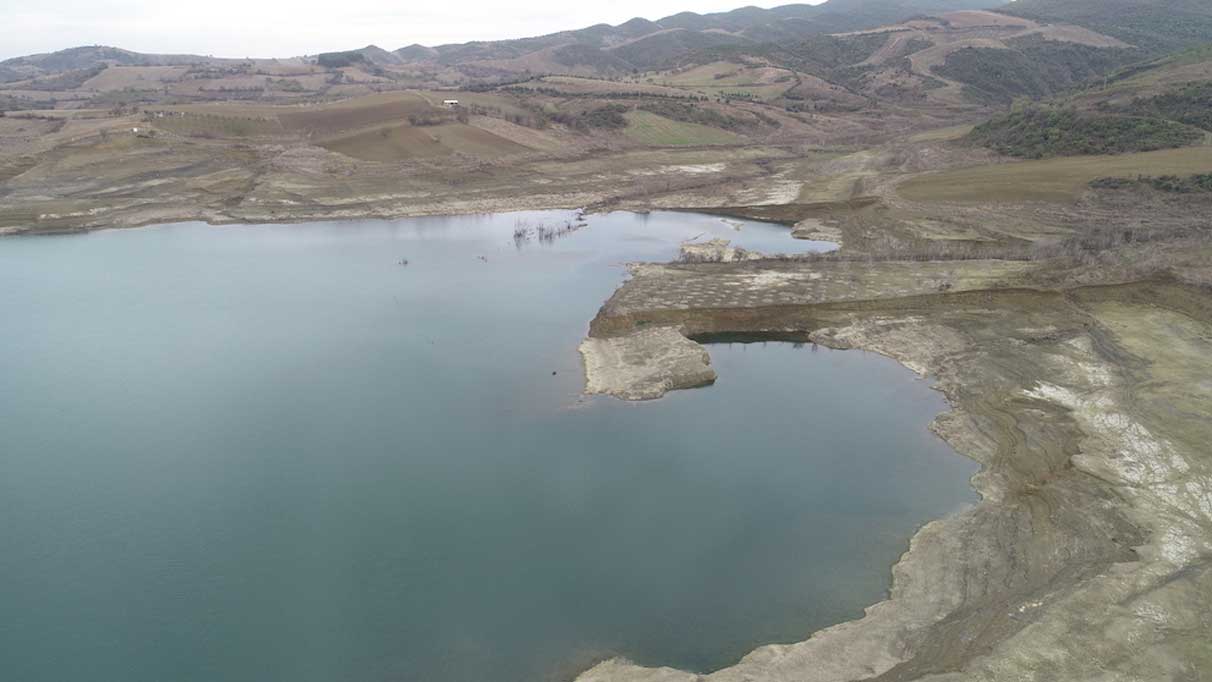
x,y
272,453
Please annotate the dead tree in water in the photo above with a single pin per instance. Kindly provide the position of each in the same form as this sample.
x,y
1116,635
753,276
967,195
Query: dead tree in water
x,y
546,234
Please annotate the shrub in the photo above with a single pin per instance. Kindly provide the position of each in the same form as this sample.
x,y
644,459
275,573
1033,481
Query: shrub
x,y
608,117
1042,133
1191,104
337,60
1165,183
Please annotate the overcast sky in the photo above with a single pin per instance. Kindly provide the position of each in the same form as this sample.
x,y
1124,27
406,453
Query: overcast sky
x,y
285,28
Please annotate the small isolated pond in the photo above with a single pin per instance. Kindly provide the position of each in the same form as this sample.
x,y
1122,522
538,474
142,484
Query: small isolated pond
x,y
276,453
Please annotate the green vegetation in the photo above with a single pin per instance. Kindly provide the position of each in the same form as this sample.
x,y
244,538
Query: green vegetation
x,y
1191,105
1143,70
69,80
286,85
1035,68
1200,182
1042,133
1153,25
609,117
820,54
648,128
337,60
689,113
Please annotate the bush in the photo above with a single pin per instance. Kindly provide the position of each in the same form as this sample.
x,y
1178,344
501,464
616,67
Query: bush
x,y
609,117
1042,133
1191,104
337,60
1165,183
688,113
1034,68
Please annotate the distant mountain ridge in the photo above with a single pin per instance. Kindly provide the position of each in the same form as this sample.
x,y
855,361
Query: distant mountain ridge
x,y
92,57
786,35
89,56
641,44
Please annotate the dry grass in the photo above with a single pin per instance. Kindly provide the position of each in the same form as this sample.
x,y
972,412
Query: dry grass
x,y
359,112
217,126
573,85
403,143
943,134
1056,180
727,78
978,18
137,77
506,104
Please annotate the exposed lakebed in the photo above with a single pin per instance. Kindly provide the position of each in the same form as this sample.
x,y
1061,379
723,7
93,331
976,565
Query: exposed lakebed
x,y
277,453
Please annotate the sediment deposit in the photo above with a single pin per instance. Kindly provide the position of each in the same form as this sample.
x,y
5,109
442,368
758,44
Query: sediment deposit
x,y
1088,555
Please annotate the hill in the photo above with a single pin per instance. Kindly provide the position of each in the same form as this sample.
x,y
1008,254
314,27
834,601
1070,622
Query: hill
x,y
1041,133
645,45
961,57
1153,25
92,57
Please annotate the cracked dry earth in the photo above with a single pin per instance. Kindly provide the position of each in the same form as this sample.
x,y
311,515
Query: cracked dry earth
x,y
1088,557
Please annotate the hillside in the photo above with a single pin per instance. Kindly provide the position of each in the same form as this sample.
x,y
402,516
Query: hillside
x,y
1152,25
841,55
967,57
646,45
91,57
1040,133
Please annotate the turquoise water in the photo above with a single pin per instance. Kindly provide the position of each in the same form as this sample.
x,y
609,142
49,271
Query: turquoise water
x,y
274,453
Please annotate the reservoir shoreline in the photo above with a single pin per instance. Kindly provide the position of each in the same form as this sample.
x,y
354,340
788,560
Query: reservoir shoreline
x,y
1089,498
330,307
1058,536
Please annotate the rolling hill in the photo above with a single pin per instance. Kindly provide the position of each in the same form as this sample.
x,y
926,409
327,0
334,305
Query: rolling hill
x,y
1153,25
645,45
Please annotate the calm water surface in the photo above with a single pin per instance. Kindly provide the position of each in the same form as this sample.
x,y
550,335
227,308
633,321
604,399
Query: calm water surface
x,y
273,453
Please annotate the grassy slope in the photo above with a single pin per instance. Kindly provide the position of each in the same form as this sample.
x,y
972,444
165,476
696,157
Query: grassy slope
x,y
648,128
1060,179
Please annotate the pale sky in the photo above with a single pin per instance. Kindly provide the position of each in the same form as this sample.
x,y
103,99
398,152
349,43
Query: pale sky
x,y
285,28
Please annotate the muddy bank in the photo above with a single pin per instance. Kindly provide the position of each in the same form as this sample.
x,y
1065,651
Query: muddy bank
x,y
1089,554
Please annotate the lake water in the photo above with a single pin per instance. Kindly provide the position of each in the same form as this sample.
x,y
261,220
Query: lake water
x,y
274,453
